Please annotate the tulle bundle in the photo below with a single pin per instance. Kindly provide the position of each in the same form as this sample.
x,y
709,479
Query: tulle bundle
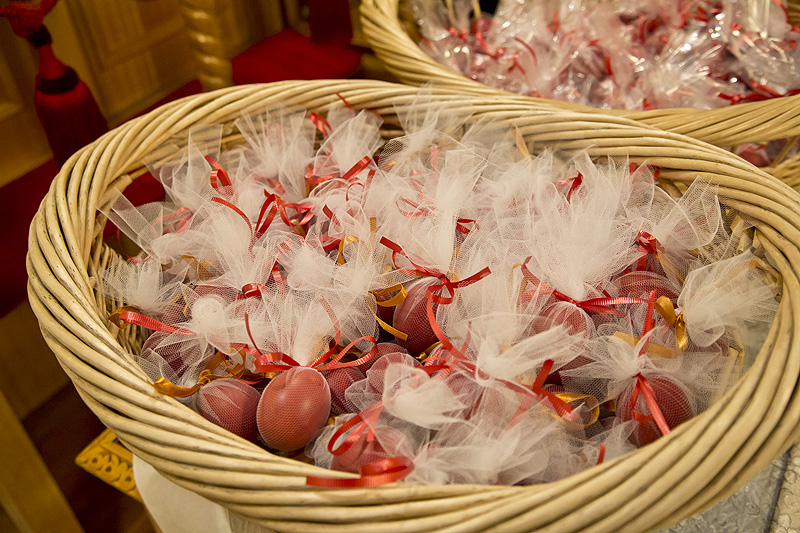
x,y
444,309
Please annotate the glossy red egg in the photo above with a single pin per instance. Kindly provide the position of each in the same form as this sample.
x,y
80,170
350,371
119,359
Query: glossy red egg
x,y
375,376
231,404
383,348
411,317
293,408
673,400
339,379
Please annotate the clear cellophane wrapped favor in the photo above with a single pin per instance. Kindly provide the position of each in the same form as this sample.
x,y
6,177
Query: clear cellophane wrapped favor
x,y
444,308
636,54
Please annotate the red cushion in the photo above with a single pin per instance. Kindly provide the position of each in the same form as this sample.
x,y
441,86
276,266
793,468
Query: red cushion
x,y
288,55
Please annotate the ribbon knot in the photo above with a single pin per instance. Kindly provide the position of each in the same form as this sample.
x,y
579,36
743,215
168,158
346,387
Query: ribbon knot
x,y
648,243
665,308
219,176
644,388
164,386
595,305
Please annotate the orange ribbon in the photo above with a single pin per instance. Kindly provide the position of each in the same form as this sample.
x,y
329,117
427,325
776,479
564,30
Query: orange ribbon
x,y
164,386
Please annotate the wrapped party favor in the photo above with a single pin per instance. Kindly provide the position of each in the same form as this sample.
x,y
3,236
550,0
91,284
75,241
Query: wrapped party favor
x,y
561,311
634,59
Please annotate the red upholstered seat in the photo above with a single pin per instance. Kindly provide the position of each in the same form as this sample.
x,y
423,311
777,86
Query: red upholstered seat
x,y
289,55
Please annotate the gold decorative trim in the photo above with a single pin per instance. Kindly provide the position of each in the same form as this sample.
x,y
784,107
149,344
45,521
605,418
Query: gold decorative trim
x,y
110,461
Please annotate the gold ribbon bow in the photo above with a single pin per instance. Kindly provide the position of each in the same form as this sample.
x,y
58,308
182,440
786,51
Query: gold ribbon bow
x,y
665,308
588,400
165,386
394,301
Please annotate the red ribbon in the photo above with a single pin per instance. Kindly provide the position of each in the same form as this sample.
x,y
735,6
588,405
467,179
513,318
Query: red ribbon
x,y
265,217
346,103
235,209
649,245
321,124
460,225
219,177
139,319
529,49
642,386
373,474
304,211
561,407
574,183
264,362
482,42
175,222
461,34
252,289
595,305
360,165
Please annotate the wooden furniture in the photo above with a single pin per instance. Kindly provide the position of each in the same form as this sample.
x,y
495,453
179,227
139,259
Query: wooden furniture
x,y
318,45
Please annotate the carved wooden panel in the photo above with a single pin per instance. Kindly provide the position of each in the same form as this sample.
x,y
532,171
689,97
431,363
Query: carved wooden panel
x,y
23,144
137,51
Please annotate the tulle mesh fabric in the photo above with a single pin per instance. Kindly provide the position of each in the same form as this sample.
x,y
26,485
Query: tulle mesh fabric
x,y
267,268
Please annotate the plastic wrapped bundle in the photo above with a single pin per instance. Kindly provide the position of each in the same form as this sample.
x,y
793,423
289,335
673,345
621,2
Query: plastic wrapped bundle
x,y
629,55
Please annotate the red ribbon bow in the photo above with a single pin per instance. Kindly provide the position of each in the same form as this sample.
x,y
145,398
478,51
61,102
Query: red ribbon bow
x,y
642,386
595,305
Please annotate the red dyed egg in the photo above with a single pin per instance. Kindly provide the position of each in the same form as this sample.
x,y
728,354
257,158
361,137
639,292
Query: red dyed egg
x,y
294,406
411,317
230,404
160,350
555,376
639,285
383,348
339,379
375,376
575,319
385,313
673,401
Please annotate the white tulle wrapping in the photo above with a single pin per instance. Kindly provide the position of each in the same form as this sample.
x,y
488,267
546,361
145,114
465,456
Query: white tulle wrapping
x,y
281,146
458,200
724,295
143,284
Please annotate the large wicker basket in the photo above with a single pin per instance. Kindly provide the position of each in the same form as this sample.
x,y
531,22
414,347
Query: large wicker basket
x,y
698,464
751,122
